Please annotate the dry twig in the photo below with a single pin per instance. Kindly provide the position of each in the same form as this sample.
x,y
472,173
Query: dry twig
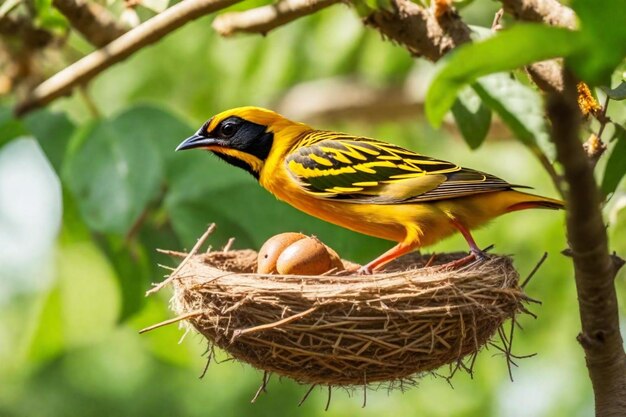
x,y
180,266
264,19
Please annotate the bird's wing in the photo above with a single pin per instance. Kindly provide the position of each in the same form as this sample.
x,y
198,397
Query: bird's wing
x,y
361,170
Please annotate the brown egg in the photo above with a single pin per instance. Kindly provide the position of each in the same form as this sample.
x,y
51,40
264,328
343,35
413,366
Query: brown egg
x,y
335,259
271,250
307,256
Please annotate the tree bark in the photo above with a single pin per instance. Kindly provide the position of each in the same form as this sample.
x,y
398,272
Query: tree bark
x,y
594,268
419,30
92,20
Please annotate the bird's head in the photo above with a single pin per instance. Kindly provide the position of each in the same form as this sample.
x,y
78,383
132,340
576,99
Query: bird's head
x,y
245,136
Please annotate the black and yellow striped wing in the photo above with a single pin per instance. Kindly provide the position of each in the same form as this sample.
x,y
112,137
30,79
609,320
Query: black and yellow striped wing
x,y
362,170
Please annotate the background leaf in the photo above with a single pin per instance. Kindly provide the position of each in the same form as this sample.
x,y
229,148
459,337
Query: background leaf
x,y
617,93
508,50
519,106
114,171
472,116
603,33
10,128
53,132
616,165
133,270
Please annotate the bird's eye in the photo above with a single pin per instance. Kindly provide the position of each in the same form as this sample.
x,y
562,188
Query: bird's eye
x,y
228,129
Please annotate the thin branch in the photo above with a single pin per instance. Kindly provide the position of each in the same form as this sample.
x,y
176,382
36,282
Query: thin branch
x,y
534,270
594,269
262,387
276,324
497,18
414,27
180,266
306,395
418,30
93,64
93,21
171,321
266,18
557,179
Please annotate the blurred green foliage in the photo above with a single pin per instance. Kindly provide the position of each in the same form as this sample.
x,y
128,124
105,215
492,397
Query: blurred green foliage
x,y
69,345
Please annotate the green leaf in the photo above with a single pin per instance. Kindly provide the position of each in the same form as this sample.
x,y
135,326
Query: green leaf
x,y
157,126
616,165
82,307
113,171
617,93
133,271
520,107
10,128
508,50
47,341
48,17
472,117
603,34
53,132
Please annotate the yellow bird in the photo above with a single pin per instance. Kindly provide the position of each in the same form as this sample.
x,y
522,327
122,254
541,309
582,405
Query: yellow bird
x,y
362,184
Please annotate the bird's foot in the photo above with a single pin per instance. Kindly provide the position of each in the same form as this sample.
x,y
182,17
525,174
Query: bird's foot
x,y
479,255
475,255
364,270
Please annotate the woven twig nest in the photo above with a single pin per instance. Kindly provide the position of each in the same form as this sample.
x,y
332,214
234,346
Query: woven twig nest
x,y
347,330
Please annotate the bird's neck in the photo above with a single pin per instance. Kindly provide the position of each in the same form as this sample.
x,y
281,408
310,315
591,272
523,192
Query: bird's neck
x,y
286,139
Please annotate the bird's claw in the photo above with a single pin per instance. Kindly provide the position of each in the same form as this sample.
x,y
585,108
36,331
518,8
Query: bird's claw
x,y
479,255
364,270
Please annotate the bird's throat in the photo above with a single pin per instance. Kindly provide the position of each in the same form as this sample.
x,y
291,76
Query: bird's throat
x,y
247,162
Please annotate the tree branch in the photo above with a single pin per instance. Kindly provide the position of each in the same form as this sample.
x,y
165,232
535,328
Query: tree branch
x,y
91,65
422,31
594,268
266,18
418,30
550,12
92,20
547,75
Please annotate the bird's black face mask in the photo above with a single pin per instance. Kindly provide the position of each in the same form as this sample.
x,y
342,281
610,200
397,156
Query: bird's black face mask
x,y
237,141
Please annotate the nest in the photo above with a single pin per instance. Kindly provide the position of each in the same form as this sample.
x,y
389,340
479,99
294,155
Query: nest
x,y
347,330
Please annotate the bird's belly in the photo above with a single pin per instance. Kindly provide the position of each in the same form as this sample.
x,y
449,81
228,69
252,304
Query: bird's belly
x,y
373,220
369,220
396,222
420,223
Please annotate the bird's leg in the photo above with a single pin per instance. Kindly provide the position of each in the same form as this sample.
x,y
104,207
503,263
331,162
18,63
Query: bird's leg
x,y
475,251
393,253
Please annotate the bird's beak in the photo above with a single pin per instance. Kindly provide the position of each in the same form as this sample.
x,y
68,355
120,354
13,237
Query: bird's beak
x,y
196,141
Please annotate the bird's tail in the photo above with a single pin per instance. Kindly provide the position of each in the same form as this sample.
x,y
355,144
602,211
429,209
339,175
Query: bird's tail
x,y
531,201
